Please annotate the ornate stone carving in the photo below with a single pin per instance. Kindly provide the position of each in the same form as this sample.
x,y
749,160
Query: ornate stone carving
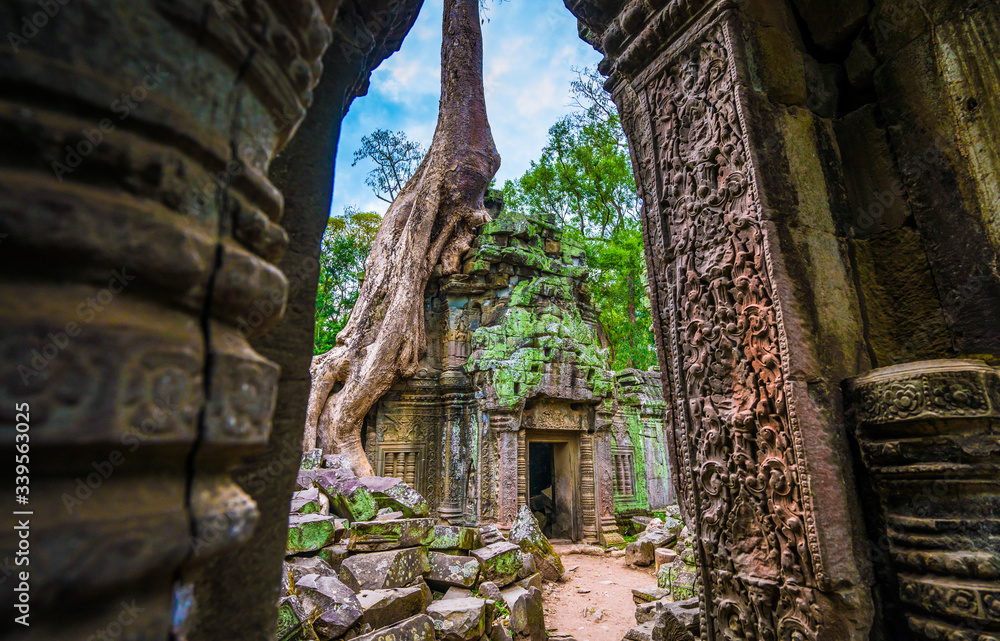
x,y
743,478
929,435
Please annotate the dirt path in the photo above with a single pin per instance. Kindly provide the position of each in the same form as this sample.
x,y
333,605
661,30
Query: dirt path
x,y
609,584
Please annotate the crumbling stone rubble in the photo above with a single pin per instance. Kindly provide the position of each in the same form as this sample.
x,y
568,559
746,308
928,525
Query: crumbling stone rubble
x,y
364,562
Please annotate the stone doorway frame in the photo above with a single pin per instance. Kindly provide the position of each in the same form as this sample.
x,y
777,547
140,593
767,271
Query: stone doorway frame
x,y
566,473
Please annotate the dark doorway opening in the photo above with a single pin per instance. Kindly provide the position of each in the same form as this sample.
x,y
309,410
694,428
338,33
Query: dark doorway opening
x,y
541,486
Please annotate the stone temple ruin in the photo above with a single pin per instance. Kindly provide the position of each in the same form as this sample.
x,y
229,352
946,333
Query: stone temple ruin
x,y
819,187
514,403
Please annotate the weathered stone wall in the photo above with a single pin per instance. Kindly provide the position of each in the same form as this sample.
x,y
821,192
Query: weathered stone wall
x,y
513,355
138,141
819,200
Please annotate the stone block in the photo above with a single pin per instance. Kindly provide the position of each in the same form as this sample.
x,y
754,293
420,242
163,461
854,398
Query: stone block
x,y
639,554
641,632
458,619
418,628
334,555
384,608
673,620
527,565
647,594
335,601
450,570
535,580
310,501
457,593
297,567
490,534
664,556
307,479
424,589
393,493
526,534
311,459
453,537
379,570
501,562
292,615
527,616
377,536
309,532
349,498
642,551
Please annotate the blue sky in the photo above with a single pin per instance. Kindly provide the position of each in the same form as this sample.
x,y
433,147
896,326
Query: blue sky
x,y
529,49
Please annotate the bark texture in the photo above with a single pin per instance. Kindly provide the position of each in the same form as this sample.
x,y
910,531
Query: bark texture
x,y
430,222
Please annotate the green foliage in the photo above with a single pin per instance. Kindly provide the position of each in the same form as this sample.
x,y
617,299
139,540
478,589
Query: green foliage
x,y
395,159
343,252
585,178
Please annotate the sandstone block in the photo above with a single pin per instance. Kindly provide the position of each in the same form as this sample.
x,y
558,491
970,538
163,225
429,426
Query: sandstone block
x,y
490,534
379,570
453,537
501,562
535,580
310,501
450,570
456,592
527,535
527,617
334,555
311,459
664,556
291,615
349,498
339,607
297,567
417,628
309,532
651,593
383,608
376,536
393,493
527,565
459,619
687,613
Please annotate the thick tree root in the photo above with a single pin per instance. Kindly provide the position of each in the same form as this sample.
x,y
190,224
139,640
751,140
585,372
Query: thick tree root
x,y
430,222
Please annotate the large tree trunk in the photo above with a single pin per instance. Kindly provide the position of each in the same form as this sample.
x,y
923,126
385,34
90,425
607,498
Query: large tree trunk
x,y
430,221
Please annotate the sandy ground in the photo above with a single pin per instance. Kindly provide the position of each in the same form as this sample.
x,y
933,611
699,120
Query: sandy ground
x,y
604,613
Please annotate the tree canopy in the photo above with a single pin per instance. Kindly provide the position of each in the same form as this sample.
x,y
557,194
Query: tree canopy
x,y
346,244
395,158
584,176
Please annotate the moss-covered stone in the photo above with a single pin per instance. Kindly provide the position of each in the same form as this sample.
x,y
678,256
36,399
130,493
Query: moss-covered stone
x,y
453,537
378,570
349,497
451,570
526,534
501,562
396,495
309,532
376,536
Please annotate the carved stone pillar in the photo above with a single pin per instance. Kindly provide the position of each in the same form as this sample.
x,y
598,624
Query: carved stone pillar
x,y
135,182
929,434
588,488
505,430
140,194
604,485
456,399
757,325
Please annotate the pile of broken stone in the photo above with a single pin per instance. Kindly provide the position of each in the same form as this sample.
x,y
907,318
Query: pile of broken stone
x,y
669,609
366,563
